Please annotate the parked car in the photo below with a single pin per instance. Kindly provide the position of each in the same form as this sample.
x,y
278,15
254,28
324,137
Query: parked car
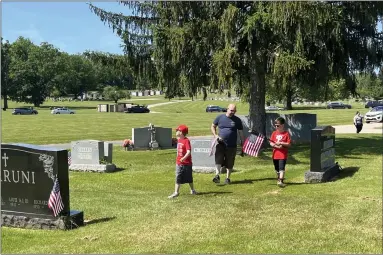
x,y
24,111
338,105
372,104
215,108
137,109
375,115
62,111
273,108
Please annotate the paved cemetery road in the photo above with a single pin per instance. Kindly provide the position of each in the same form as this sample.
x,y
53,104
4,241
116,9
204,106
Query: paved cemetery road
x,y
165,103
372,128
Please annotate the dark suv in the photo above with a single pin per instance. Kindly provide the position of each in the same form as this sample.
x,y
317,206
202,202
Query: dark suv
x,y
372,104
215,108
24,111
137,109
338,105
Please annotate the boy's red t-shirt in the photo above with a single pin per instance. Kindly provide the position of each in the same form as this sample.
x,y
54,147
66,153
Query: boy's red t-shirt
x,y
277,136
183,146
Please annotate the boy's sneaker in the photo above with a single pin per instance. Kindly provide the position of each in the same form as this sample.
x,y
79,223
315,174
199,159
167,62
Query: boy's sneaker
x,y
193,192
281,184
173,195
216,179
227,181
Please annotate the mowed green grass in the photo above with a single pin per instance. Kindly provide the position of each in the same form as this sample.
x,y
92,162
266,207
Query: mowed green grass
x,y
88,123
128,211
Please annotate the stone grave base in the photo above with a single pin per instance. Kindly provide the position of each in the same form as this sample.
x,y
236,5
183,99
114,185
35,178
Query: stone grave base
x,y
328,174
208,170
202,169
93,168
74,220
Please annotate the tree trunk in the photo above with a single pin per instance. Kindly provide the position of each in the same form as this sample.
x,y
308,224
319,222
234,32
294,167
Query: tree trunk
x,y
258,94
5,101
289,95
36,104
115,101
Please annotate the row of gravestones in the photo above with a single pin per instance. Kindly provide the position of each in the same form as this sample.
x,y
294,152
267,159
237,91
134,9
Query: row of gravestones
x,y
28,174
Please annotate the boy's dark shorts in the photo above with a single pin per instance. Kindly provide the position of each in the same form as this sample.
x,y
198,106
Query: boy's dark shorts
x,y
225,156
279,165
184,174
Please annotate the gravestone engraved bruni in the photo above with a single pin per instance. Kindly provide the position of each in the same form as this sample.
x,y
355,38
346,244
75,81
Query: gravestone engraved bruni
x,y
89,156
27,177
322,155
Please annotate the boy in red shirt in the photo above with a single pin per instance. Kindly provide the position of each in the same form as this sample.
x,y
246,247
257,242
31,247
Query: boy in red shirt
x,y
280,141
184,171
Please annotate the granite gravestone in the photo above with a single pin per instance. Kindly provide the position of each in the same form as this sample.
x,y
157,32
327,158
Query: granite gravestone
x,y
322,155
141,138
299,125
89,156
200,150
27,177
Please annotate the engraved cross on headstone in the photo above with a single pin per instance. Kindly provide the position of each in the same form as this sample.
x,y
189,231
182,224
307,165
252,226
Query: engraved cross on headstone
x,y
5,159
153,143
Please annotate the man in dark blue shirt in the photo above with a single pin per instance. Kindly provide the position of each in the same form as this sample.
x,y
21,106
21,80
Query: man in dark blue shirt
x,y
226,149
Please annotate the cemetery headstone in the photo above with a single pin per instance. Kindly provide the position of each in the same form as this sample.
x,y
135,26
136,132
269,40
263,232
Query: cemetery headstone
x,y
89,156
201,148
322,155
142,137
28,174
153,144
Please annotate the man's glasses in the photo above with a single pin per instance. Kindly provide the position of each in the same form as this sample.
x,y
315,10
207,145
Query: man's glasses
x,y
276,125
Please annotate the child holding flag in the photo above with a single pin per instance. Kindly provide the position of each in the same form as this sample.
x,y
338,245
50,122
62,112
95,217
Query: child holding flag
x,y
280,141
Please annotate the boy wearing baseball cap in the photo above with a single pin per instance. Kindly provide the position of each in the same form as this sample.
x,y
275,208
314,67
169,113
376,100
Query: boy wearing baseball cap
x,y
184,171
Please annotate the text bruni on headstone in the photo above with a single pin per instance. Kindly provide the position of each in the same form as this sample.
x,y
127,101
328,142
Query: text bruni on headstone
x,y
28,173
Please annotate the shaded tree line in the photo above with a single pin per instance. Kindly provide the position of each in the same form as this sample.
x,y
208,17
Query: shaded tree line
x,y
286,49
30,73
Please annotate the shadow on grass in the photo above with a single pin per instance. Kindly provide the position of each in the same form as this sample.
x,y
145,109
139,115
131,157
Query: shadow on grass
x,y
346,172
250,181
214,193
358,145
99,220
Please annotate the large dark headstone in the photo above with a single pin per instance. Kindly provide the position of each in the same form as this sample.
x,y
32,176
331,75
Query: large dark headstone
x,y
27,177
322,155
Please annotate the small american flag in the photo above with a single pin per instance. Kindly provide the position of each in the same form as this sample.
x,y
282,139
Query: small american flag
x,y
212,146
55,202
253,144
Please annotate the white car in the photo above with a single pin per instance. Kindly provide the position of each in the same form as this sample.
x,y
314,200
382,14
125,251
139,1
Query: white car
x,y
273,108
375,115
62,111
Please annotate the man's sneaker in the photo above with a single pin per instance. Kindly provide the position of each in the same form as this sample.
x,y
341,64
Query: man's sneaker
x,y
227,181
173,195
281,184
216,179
193,192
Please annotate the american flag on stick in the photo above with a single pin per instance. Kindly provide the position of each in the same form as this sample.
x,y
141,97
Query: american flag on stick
x,y
212,146
55,202
253,144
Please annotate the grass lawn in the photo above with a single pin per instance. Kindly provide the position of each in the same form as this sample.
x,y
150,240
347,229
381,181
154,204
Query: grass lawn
x,y
87,123
128,211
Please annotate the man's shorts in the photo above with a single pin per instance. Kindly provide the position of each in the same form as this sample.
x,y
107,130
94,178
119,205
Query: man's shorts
x,y
184,174
279,165
225,156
